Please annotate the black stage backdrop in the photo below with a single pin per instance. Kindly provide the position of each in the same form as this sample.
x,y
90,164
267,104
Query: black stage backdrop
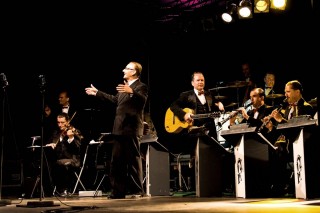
x,y
73,48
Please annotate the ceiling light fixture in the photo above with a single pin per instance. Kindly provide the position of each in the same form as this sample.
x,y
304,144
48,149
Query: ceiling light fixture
x,y
228,15
245,9
278,4
261,6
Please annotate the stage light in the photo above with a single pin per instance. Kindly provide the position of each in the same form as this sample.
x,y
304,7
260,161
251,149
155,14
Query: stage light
x,y
278,4
261,6
228,15
245,9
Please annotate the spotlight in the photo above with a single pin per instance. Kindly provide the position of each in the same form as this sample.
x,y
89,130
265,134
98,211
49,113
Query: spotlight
x,y
228,16
261,6
278,4
245,9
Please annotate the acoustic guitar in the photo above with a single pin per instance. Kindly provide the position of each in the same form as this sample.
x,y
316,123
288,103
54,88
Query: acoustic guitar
x,y
174,125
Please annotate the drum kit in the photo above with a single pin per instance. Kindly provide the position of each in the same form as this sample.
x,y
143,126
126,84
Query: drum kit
x,y
237,85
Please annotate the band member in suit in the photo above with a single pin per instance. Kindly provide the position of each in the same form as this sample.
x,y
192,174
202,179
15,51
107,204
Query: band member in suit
x,y
126,174
200,101
294,105
255,113
271,88
250,78
65,105
66,142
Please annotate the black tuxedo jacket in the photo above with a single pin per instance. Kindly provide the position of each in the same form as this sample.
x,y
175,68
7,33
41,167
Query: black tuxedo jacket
x,y
130,108
188,99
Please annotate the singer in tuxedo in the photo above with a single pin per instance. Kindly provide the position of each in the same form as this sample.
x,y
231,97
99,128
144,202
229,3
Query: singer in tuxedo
x,y
126,174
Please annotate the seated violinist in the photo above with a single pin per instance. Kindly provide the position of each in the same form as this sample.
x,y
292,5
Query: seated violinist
x,y
65,141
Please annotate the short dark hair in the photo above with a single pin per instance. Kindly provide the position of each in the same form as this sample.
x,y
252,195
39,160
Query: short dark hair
x,y
194,73
63,115
295,85
260,91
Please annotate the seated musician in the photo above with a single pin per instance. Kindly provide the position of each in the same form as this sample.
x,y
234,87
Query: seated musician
x,y
65,141
254,114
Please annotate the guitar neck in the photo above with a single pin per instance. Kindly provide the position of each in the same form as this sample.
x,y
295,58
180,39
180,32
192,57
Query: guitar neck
x,y
207,115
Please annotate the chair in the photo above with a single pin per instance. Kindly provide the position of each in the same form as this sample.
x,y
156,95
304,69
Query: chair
x,y
78,173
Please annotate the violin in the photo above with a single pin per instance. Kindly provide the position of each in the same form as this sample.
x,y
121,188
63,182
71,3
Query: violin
x,y
75,131
68,127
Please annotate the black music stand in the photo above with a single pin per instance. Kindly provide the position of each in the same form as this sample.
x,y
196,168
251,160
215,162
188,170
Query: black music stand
x,y
302,132
251,152
41,202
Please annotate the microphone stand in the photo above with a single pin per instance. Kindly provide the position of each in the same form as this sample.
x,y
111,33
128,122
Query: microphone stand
x,y
41,203
5,84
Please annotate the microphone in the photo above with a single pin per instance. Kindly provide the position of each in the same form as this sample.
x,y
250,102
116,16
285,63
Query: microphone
x,y
36,137
220,82
4,80
42,82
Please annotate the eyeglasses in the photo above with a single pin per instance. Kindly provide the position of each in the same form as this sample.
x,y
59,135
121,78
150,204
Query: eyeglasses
x,y
127,68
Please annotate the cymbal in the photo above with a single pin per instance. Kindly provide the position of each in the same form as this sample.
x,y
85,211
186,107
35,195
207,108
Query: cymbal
x,y
231,105
237,84
272,96
217,88
91,109
36,146
313,102
220,97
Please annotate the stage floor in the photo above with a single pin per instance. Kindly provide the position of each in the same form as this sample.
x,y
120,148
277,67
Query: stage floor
x,y
174,203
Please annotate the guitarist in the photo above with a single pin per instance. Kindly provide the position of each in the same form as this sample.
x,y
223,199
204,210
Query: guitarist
x,y
200,102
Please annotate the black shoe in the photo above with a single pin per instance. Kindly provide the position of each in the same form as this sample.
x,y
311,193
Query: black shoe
x,y
112,196
136,195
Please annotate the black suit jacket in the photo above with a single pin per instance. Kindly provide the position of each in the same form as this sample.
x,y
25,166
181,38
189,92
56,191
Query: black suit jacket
x,y
130,108
188,99
264,111
304,108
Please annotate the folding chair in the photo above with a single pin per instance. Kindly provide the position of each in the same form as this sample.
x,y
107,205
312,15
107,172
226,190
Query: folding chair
x,y
78,175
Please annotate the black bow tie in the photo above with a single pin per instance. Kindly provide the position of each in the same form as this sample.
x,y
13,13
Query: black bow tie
x,y
65,107
200,92
268,87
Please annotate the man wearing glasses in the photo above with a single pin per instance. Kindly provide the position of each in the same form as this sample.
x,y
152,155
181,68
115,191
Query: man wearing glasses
x,y
126,174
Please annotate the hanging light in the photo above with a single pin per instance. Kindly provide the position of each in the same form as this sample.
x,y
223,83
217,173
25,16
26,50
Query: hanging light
x,y
278,4
261,6
228,15
245,9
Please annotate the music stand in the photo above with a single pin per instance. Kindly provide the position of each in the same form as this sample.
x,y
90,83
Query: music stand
x,y
41,202
99,142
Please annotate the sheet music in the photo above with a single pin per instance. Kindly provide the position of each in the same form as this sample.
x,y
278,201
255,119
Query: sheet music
x,y
267,141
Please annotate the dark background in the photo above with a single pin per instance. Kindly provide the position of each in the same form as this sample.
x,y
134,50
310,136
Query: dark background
x,y
74,45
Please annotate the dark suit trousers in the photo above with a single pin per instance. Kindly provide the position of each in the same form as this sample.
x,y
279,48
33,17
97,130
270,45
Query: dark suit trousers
x,y
126,172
